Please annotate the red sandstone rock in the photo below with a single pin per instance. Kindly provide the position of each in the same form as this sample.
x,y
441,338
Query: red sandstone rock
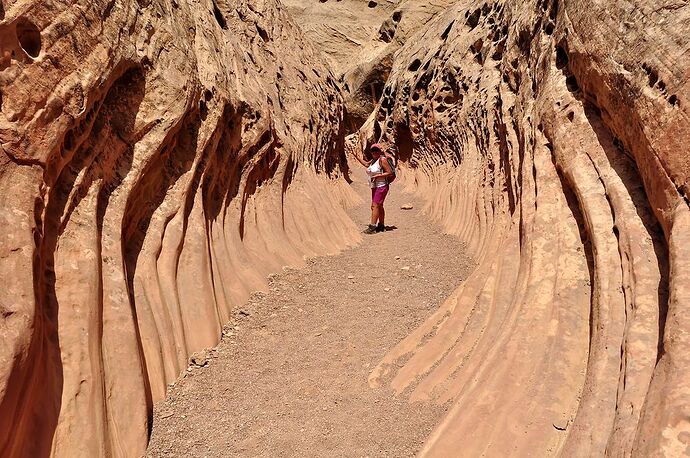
x,y
155,170
159,159
550,136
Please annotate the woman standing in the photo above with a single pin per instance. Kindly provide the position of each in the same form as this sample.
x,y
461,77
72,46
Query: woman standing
x,y
378,171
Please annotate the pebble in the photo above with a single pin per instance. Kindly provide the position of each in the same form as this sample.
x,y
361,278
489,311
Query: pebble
x,y
351,277
405,268
560,425
406,207
397,258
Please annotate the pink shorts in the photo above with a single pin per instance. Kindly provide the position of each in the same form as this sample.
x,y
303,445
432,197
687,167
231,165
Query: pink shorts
x,y
378,195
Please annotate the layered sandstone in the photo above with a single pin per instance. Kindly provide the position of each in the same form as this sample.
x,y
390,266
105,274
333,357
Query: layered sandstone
x,y
551,136
159,159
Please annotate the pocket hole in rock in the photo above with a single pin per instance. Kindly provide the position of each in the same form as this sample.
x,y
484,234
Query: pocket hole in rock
x,y
571,83
553,14
473,19
397,16
477,46
652,75
662,86
262,33
68,142
673,100
561,58
372,4
219,17
414,66
445,33
29,38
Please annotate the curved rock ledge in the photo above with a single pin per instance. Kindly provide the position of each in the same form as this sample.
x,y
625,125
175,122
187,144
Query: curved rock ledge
x,y
151,177
550,136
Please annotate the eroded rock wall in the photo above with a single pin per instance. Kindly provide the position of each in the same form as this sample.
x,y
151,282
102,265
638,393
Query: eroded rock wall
x,y
359,39
160,158
552,136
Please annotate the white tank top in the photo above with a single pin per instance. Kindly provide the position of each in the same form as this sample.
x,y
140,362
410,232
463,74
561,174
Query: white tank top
x,y
375,169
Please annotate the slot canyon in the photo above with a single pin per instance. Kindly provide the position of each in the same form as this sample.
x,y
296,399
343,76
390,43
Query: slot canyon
x,y
163,160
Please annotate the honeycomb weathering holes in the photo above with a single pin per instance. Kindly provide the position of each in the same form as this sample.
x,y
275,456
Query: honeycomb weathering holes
x,y
29,37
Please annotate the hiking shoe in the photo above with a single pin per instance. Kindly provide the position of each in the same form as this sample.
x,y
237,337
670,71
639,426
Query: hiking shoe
x,y
380,227
371,229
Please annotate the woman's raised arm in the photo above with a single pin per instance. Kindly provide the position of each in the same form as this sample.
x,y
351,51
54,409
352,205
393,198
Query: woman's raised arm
x,y
361,160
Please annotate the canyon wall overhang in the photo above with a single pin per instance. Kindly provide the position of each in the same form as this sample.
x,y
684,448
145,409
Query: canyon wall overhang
x,y
159,159
552,136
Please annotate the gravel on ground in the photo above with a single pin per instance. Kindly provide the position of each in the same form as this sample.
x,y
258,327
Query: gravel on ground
x,y
289,377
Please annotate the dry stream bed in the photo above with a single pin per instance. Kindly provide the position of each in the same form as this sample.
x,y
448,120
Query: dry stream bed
x,y
289,377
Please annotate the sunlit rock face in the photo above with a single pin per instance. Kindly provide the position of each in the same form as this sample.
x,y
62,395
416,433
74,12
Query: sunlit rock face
x,y
159,159
552,137
359,39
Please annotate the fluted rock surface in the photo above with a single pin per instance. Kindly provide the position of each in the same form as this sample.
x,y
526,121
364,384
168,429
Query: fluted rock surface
x,y
551,135
159,159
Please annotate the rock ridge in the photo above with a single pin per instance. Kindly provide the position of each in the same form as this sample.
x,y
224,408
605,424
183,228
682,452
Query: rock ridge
x,y
548,135
151,178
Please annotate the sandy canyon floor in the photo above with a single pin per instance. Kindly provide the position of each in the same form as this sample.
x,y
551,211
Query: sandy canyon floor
x,y
289,377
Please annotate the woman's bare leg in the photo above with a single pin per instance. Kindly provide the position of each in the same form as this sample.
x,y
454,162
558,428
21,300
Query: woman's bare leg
x,y
374,213
382,215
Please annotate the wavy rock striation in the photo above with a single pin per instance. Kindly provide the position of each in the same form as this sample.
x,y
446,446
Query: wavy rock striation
x,y
551,135
151,177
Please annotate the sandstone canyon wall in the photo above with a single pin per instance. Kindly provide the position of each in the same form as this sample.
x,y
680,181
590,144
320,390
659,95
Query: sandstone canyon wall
x,y
359,39
552,136
159,159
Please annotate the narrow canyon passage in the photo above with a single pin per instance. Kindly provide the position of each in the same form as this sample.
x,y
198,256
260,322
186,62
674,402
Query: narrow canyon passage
x,y
290,375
